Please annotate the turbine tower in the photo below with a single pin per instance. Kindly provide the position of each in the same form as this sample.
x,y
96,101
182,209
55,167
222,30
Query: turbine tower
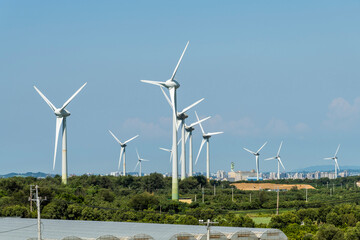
x,y
206,137
61,115
335,158
172,85
139,162
181,116
257,154
122,151
189,129
277,157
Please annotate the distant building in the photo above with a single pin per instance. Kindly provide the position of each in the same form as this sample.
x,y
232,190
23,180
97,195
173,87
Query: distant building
x,y
221,174
240,175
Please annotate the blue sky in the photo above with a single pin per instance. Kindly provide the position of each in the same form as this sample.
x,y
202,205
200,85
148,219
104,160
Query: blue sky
x,y
268,70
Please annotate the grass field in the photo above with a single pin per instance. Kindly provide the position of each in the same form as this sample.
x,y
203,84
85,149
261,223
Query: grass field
x,y
259,220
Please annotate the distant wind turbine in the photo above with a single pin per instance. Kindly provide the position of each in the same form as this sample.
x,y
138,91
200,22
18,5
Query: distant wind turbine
x,y
335,158
206,137
256,158
61,115
167,150
122,151
277,157
139,162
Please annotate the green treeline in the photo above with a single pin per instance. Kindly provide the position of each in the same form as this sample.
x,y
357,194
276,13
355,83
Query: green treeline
x,y
331,212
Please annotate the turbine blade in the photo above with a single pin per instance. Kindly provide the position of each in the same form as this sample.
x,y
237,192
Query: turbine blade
x,y
337,165
137,153
201,146
72,97
178,123
167,98
187,134
249,151
281,163
157,83
337,150
115,138
171,154
131,139
213,133
196,123
46,100
165,149
279,148
120,158
180,139
191,106
328,158
178,64
270,158
145,160
136,165
197,117
261,147
57,130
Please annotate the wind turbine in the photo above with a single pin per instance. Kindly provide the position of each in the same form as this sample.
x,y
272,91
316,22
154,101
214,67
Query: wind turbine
x,y
206,137
181,116
189,129
139,162
256,158
122,151
172,85
61,115
277,157
167,150
335,158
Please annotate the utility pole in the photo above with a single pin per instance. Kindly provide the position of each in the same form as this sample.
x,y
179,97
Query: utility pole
x,y
38,201
31,196
333,188
327,184
306,195
232,194
203,197
277,202
250,197
214,190
195,197
208,225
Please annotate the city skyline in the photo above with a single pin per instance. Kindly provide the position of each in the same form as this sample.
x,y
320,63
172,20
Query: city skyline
x,y
270,72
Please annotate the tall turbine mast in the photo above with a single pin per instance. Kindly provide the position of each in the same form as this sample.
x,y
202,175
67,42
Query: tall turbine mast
x,y
172,85
206,137
123,151
61,115
277,157
335,158
256,154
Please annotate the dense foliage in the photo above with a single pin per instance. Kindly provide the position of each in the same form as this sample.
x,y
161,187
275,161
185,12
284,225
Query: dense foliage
x,y
331,212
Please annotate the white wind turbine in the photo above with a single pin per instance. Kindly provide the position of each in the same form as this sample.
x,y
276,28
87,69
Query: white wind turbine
x,y
189,129
122,151
139,162
277,157
257,154
206,137
61,115
172,85
181,116
167,150
335,158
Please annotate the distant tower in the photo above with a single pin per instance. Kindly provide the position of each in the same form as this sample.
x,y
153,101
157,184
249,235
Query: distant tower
x,y
232,166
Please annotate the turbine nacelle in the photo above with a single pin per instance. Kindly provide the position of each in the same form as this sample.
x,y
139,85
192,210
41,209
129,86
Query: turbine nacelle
x,y
171,84
61,113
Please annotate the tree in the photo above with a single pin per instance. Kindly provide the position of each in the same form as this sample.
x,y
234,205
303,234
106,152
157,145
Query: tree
x,y
329,232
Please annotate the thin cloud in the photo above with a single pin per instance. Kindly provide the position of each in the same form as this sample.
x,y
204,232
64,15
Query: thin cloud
x,y
342,115
147,129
